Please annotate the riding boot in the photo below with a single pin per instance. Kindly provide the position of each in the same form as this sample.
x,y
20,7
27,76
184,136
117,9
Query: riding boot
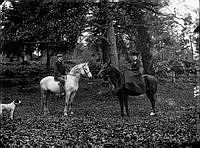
x,y
62,89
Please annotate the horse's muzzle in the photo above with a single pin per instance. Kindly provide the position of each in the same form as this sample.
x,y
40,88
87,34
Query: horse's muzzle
x,y
90,76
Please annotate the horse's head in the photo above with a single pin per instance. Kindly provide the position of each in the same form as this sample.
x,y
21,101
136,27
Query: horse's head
x,y
106,70
82,69
86,70
6,5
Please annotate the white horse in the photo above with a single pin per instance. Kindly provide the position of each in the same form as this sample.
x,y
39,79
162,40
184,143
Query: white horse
x,y
48,84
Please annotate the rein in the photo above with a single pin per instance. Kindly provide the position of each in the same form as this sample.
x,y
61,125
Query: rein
x,y
73,75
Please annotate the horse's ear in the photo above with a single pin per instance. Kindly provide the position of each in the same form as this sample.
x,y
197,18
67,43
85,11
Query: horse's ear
x,y
109,62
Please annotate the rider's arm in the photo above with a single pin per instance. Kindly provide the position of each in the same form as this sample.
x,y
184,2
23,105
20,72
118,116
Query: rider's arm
x,y
141,69
56,71
67,68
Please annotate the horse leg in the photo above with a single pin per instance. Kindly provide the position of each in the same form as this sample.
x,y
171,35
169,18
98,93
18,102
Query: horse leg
x,y
43,96
67,98
151,97
46,110
152,86
71,101
121,103
126,104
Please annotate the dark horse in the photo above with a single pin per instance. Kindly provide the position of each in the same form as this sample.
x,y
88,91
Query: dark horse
x,y
116,78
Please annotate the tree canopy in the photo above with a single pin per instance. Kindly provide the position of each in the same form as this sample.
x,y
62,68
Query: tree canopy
x,y
36,20
138,25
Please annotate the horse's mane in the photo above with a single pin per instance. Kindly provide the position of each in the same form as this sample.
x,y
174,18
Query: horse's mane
x,y
75,67
115,76
116,70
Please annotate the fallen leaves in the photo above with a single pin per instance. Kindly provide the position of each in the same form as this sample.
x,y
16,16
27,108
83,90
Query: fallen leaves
x,y
97,122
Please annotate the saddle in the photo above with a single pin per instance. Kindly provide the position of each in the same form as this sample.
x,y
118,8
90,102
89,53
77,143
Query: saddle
x,y
135,82
56,79
61,85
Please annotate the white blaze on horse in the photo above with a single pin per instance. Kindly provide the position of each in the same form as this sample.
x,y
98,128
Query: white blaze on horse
x,y
48,84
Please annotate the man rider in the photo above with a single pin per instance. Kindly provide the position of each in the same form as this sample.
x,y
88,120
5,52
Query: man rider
x,y
60,72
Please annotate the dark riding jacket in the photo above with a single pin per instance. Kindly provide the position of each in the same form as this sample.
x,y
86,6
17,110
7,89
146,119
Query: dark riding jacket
x,y
133,77
59,69
136,67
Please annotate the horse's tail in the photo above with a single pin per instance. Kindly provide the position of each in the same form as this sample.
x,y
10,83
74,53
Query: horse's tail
x,y
43,83
42,92
42,96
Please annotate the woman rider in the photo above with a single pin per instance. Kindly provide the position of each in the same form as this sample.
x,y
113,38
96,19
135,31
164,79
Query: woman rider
x,y
133,79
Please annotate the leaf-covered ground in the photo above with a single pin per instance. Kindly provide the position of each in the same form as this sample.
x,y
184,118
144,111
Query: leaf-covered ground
x,y
96,120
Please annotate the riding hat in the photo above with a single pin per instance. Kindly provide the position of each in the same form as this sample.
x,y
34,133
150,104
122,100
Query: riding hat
x,y
59,55
134,52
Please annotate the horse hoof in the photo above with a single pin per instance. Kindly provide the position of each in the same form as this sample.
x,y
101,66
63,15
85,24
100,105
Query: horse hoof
x,y
152,114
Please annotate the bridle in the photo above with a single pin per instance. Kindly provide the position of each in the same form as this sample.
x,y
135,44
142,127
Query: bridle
x,y
73,75
77,75
109,68
85,70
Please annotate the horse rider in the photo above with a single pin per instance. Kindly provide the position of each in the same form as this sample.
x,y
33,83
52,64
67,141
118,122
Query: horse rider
x,y
133,79
60,72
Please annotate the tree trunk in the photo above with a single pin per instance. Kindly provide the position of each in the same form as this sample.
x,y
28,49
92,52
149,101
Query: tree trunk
x,y
113,47
132,42
105,50
143,45
108,44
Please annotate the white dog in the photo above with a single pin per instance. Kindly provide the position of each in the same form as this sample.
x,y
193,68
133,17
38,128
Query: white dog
x,y
10,107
